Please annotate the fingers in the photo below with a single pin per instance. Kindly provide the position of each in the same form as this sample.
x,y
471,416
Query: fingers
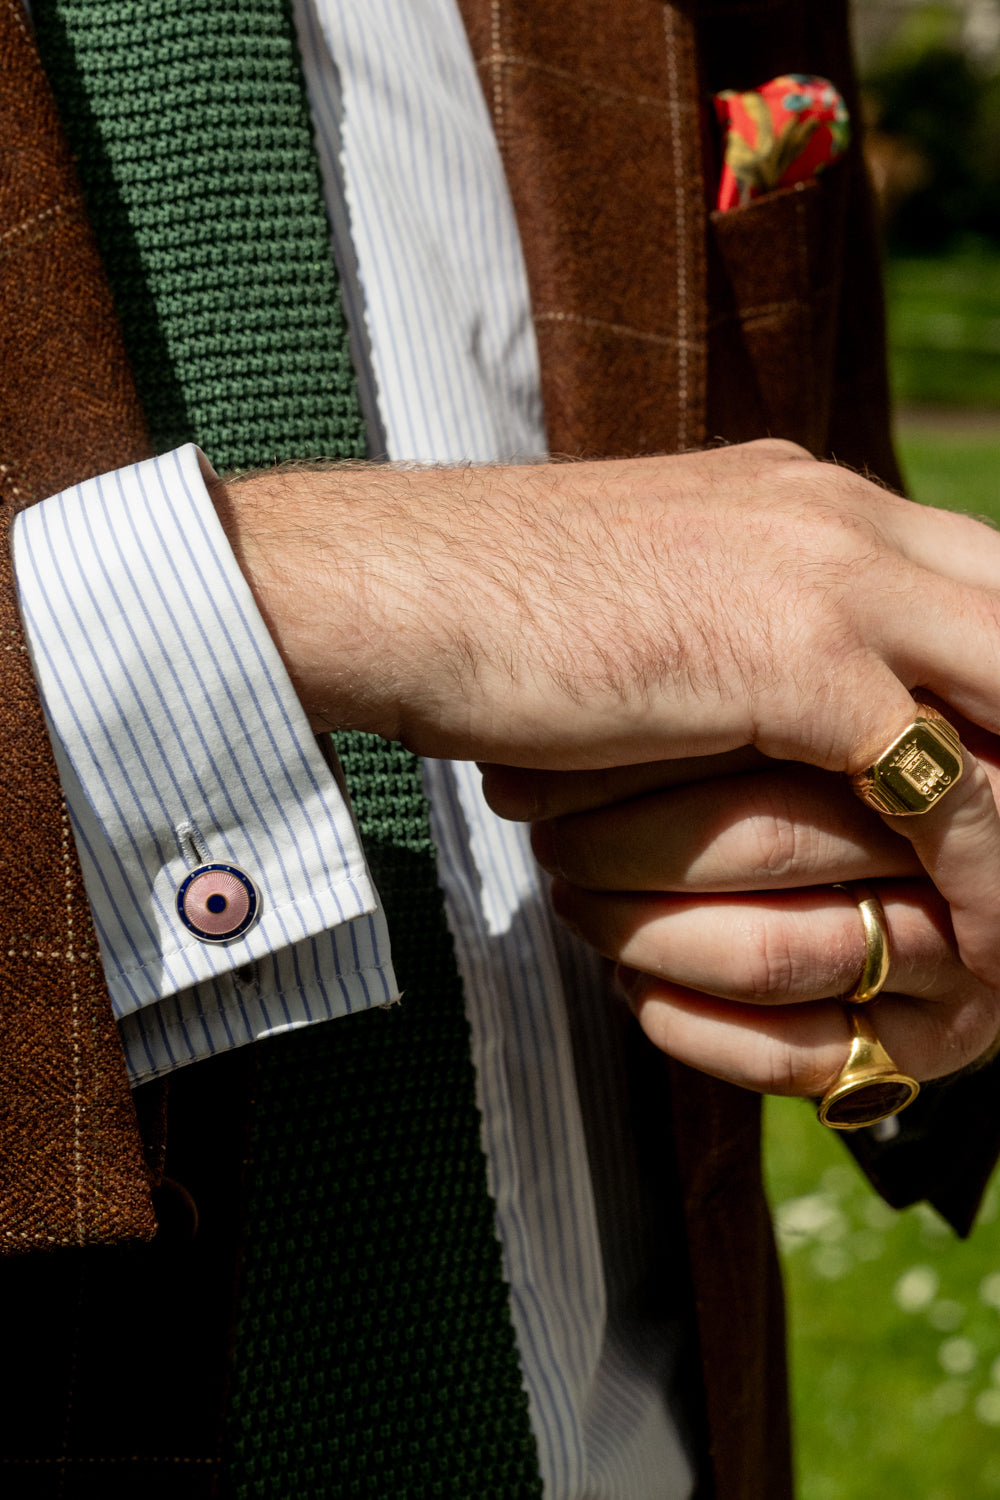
x,y
950,645
789,948
780,829
777,828
799,1050
958,844
531,796
963,548
934,1017
797,1053
956,654
958,548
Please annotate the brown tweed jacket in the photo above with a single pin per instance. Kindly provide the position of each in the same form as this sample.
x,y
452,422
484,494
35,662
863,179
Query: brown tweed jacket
x,y
660,326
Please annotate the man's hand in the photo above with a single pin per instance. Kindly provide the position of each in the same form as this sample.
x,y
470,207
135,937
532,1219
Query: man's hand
x,y
591,615
738,985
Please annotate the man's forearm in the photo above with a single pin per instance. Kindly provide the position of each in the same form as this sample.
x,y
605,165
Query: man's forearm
x,y
576,616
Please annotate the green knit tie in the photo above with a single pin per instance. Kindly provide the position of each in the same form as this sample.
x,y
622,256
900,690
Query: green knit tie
x,y
375,1355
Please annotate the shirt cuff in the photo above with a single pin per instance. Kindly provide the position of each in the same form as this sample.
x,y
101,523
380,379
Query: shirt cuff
x,y
180,740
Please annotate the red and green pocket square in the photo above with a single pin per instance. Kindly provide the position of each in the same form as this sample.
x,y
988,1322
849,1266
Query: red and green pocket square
x,y
784,132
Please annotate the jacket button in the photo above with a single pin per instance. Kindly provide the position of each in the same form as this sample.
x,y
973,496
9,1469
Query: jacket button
x,y
218,903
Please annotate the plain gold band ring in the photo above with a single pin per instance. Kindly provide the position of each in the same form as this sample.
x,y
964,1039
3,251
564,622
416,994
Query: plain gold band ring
x,y
875,969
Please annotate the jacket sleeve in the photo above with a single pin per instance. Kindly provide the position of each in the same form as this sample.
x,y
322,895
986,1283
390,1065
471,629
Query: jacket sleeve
x,y
72,1169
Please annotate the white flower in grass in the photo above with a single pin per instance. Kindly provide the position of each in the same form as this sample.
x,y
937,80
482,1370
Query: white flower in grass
x,y
957,1356
916,1288
814,1217
987,1407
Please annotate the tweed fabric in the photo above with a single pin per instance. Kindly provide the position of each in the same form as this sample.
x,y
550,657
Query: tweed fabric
x,y
796,327
733,1265
599,128
366,1152
71,1166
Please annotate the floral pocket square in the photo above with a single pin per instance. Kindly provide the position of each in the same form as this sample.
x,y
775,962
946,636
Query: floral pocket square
x,y
784,132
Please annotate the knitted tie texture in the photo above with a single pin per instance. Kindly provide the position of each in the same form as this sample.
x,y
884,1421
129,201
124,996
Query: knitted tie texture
x,y
374,1351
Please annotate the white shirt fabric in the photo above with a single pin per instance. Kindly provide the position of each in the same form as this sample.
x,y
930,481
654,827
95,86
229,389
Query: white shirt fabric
x,y
179,739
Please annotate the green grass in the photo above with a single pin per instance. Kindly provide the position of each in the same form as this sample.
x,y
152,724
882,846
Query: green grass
x,y
895,1324
944,321
895,1330
953,466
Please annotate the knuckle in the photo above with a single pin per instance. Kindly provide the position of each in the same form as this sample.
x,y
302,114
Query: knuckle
x,y
793,1075
781,449
773,965
783,1075
776,845
843,511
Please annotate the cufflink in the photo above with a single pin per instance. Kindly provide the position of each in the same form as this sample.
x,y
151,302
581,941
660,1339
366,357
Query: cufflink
x,y
218,903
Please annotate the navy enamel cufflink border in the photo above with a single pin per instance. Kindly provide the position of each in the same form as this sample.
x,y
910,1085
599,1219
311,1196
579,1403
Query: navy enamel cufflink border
x,y
218,902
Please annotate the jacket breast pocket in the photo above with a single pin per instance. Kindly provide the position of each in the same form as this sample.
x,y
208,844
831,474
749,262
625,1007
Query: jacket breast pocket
x,y
775,283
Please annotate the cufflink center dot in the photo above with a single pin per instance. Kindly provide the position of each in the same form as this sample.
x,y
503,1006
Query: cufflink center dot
x,y
216,902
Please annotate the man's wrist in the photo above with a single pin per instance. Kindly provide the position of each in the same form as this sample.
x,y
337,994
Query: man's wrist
x,y
294,533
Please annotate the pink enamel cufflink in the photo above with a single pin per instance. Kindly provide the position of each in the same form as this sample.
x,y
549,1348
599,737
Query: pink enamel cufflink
x,y
218,903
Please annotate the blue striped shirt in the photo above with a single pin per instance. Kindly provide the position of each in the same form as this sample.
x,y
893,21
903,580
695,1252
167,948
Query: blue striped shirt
x,y
179,739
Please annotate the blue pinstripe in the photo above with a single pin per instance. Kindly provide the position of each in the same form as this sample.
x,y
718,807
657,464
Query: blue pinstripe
x,y
155,747
171,707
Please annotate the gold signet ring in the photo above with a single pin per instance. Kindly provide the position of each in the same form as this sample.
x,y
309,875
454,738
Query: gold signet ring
x,y
916,770
869,1087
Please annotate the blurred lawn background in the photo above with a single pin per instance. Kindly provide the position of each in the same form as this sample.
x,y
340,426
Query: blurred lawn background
x,y
944,335
895,1324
